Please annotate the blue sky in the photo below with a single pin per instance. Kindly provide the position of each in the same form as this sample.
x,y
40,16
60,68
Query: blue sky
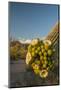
x,y
31,20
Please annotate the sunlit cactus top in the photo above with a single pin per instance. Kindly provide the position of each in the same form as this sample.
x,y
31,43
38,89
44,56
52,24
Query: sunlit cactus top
x,y
39,57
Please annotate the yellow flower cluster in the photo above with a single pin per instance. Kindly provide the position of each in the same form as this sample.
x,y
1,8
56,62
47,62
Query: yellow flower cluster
x,y
39,57
34,42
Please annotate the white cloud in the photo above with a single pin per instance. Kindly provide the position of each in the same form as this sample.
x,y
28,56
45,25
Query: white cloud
x,y
25,41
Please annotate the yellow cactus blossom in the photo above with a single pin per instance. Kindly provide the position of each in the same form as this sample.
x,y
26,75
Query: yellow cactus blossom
x,y
28,58
35,66
32,64
47,42
33,53
38,48
46,46
34,42
49,52
36,71
36,51
43,50
43,73
40,53
44,64
37,62
41,57
45,58
45,53
33,49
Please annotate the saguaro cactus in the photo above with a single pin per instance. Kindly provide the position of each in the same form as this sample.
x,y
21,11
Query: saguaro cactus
x,y
43,53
